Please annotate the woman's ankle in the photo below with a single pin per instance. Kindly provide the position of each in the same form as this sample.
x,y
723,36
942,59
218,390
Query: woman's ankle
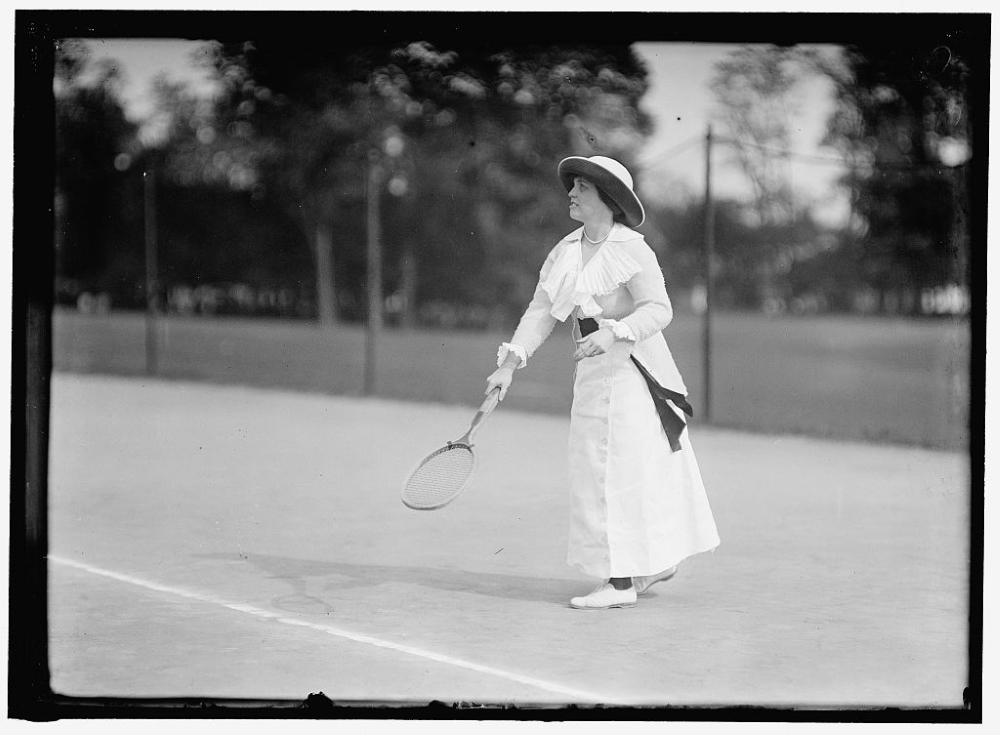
x,y
621,583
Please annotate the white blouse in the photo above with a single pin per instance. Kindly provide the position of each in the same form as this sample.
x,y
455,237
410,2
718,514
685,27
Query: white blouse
x,y
621,286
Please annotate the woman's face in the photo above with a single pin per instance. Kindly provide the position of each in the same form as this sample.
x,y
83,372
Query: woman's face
x,y
585,203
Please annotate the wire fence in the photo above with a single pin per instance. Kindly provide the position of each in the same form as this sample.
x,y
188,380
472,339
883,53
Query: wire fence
x,y
845,162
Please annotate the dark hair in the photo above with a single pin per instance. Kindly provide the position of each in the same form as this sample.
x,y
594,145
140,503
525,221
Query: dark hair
x,y
616,212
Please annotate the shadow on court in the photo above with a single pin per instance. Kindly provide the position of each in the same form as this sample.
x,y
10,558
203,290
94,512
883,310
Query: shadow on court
x,y
303,574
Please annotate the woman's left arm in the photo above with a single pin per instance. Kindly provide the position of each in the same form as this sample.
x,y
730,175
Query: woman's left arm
x,y
653,311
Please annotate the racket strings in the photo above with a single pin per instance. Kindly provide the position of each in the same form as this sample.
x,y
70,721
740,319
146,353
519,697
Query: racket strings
x,y
440,477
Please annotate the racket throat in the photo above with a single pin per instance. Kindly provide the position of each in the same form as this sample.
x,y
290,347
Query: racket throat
x,y
466,438
484,410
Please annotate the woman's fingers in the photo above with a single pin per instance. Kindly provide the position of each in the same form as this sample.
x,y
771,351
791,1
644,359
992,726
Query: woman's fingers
x,y
500,379
587,348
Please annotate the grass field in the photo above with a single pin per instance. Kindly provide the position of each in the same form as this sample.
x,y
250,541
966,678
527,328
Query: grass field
x,y
884,380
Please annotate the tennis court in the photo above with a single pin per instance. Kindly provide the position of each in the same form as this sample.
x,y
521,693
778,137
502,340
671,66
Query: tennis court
x,y
223,541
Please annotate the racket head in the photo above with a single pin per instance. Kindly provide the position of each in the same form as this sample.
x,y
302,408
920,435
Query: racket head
x,y
440,477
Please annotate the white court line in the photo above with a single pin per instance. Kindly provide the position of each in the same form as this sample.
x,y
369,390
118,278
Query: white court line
x,y
575,694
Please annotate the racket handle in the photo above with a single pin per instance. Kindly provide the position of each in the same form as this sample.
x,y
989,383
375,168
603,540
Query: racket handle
x,y
492,399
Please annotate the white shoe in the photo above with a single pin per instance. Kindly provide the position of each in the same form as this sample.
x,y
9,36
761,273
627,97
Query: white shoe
x,y
604,597
642,584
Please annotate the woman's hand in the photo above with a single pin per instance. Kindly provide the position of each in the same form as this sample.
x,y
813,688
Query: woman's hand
x,y
501,378
594,344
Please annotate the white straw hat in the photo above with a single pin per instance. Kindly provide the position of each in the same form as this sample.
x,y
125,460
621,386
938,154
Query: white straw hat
x,y
609,176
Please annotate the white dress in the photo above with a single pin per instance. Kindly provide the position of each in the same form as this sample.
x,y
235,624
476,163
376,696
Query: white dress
x,y
636,507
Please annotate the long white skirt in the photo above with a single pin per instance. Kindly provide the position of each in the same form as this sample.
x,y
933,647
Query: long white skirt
x,y
636,508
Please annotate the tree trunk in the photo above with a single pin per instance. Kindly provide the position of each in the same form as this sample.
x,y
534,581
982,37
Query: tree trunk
x,y
408,268
326,292
487,218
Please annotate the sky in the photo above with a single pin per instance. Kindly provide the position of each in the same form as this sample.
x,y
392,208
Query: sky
x,y
682,106
142,60
678,100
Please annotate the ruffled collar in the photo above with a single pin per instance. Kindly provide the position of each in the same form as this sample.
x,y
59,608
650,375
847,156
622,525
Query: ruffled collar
x,y
570,284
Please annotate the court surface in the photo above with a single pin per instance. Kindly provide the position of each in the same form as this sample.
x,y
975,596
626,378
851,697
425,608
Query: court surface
x,y
223,541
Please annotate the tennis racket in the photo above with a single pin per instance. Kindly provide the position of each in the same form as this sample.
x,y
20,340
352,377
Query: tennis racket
x,y
444,474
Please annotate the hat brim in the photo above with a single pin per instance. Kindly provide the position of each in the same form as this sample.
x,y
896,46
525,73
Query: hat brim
x,y
620,194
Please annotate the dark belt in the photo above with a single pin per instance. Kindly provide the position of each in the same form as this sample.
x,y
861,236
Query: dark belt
x,y
673,424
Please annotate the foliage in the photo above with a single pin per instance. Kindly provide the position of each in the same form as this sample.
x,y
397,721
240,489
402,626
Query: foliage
x,y
266,183
96,233
904,123
753,263
763,250
755,89
467,137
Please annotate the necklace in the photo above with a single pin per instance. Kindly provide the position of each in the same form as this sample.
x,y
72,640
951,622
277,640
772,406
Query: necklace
x,y
597,242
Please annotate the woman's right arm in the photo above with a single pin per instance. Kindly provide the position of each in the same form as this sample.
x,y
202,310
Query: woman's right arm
x,y
501,377
533,329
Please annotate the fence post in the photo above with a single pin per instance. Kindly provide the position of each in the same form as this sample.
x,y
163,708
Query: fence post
x,y
152,275
374,265
708,254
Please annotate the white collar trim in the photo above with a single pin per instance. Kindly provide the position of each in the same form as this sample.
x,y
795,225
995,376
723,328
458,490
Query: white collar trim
x,y
570,284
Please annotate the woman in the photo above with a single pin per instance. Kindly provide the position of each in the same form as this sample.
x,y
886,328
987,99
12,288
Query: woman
x,y
638,505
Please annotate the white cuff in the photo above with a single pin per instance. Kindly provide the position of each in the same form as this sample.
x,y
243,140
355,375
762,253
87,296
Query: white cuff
x,y
621,330
506,348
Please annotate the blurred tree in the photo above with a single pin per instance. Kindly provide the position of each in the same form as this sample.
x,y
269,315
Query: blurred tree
x,y
97,237
755,263
467,136
755,90
904,122
545,103
214,225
